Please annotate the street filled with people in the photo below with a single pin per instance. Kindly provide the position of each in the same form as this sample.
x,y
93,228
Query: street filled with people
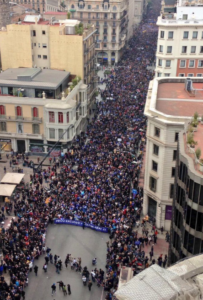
x,y
92,183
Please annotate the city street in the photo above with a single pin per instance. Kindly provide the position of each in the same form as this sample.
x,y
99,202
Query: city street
x,y
63,240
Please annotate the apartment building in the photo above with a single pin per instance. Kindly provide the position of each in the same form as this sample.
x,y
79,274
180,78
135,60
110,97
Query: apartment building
x,y
38,5
4,13
111,22
180,41
30,121
54,45
168,107
187,222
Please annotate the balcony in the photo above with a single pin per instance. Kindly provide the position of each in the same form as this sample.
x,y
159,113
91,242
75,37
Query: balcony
x,y
20,119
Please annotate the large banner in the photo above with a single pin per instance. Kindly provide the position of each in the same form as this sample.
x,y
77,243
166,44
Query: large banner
x,y
79,223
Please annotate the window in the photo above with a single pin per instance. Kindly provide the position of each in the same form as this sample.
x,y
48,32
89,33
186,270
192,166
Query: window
x,y
162,34
152,184
201,49
154,166
167,74
89,7
168,63
169,49
39,56
176,136
35,129
171,190
182,64
170,35
156,150
81,15
195,34
60,133
44,56
185,17
199,75
114,8
2,110
35,112
97,6
67,117
191,64
114,16
174,154
51,117
35,44
89,15
60,117
190,75
72,6
51,133
2,126
33,33
43,32
38,45
173,171
200,63
157,131
181,75
159,74
44,45
160,48
160,62
19,111
185,34
193,49
184,49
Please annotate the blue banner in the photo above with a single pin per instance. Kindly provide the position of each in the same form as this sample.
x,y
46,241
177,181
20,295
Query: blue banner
x,y
79,223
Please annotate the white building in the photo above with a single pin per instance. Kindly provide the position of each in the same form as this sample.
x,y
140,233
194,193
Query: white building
x,y
167,108
180,41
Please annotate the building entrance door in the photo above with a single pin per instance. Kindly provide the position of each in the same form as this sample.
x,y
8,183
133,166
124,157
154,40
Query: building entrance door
x,y
21,146
152,207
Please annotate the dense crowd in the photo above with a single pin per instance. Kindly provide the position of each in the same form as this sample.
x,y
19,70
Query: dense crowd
x,y
93,182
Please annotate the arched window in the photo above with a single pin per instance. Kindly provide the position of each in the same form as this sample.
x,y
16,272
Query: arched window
x,y
19,111
114,8
35,112
72,6
112,53
2,110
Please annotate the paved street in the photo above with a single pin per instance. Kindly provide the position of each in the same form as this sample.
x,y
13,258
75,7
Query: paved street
x,y
64,239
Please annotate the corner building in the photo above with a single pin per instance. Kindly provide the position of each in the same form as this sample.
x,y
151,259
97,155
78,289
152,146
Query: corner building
x,y
168,107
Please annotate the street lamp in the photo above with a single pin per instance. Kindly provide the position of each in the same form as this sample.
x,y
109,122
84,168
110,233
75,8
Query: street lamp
x,y
35,170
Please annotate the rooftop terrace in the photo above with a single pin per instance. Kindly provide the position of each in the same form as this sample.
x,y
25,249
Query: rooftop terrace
x,y
172,99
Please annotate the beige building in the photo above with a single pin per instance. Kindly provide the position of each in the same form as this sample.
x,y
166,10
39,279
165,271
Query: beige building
x,y
44,44
32,122
111,22
168,107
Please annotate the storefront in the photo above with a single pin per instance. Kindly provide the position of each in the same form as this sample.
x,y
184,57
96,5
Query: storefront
x,y
5,145
56,151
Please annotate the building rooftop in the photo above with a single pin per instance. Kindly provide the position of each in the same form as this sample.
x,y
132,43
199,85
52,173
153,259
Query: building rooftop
x,y
172,99
181,281
32,77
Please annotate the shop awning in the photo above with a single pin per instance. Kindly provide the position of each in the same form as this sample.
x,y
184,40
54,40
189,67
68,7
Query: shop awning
x,y
12,178
7,189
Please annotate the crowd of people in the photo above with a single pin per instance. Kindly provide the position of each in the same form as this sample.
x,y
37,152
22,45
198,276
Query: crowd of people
x,y
93,181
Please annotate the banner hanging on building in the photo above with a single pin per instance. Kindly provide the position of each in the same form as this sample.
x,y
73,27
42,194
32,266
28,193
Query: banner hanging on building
x,y
79,223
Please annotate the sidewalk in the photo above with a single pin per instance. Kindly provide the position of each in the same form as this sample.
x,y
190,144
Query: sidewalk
x,y
161,246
